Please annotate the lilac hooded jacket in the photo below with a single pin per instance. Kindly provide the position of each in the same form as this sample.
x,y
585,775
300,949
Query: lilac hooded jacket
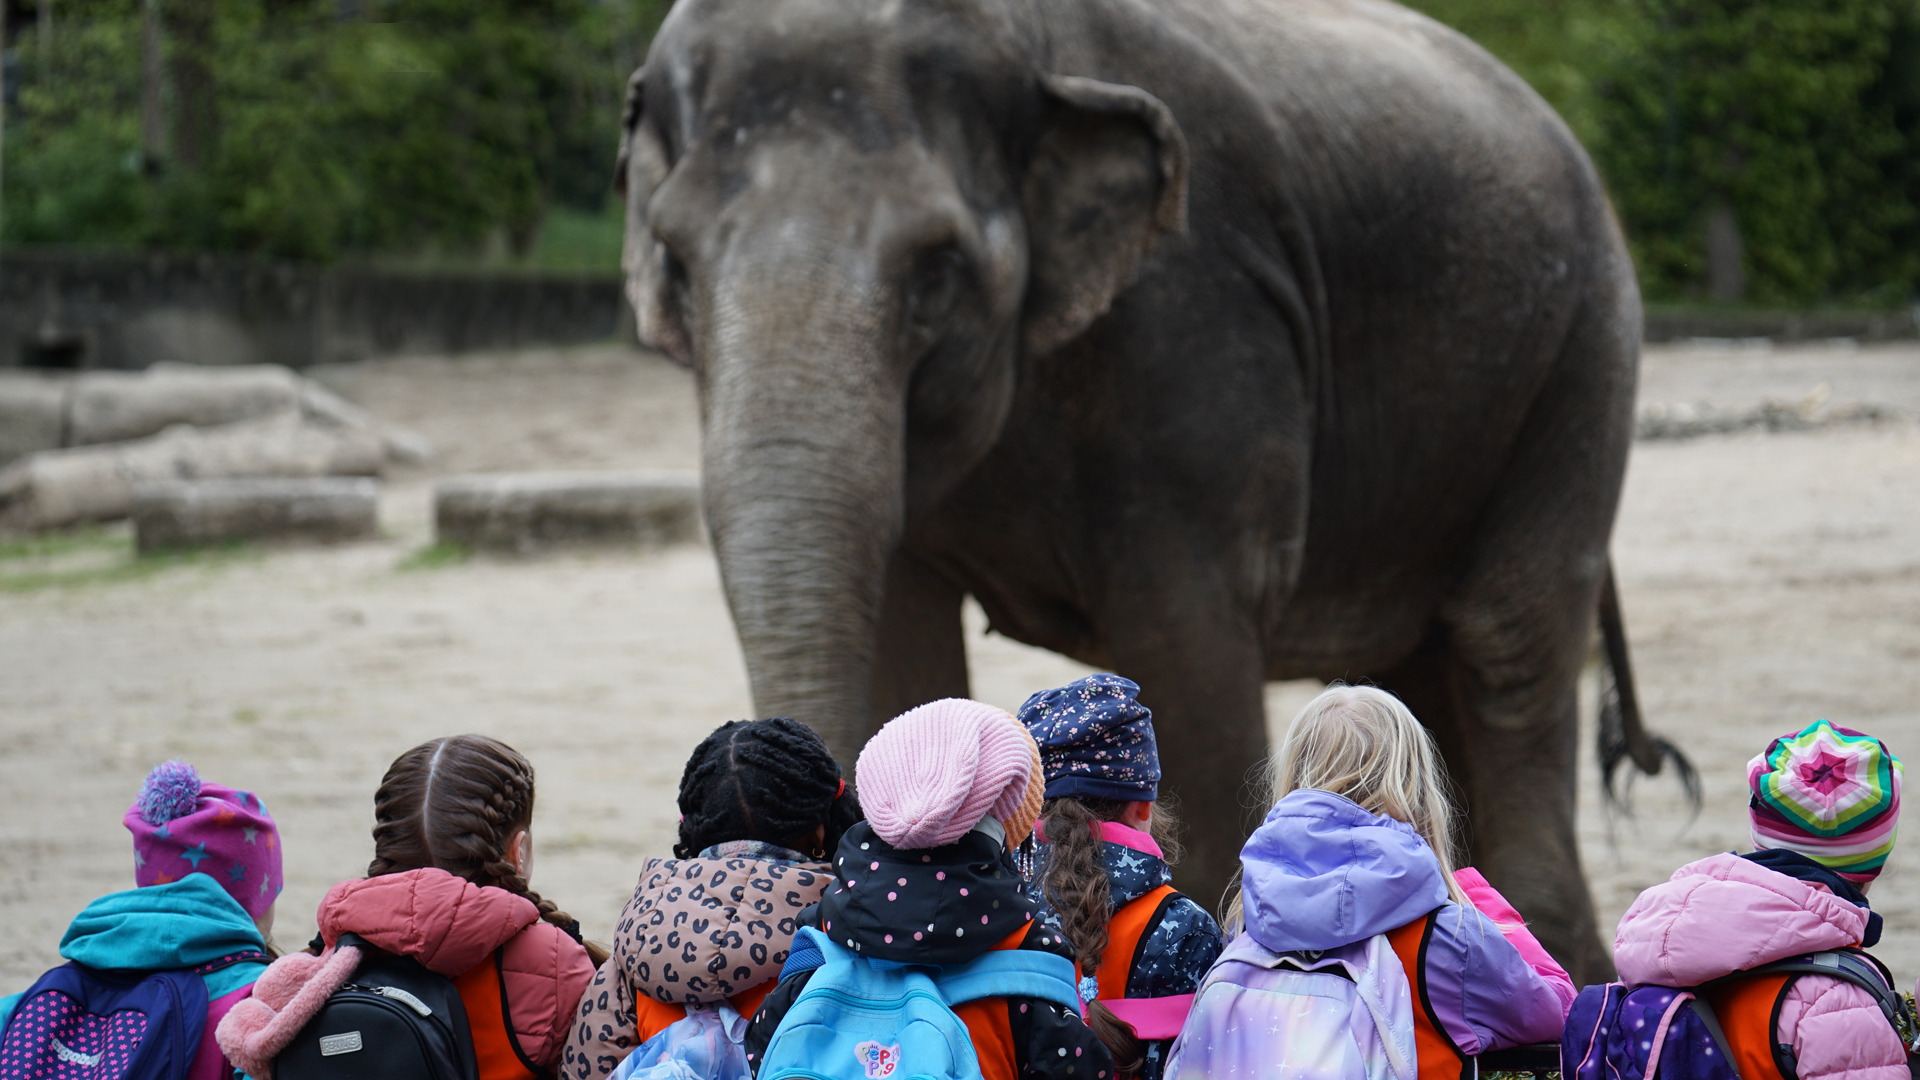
x,y
1321,873
1724,914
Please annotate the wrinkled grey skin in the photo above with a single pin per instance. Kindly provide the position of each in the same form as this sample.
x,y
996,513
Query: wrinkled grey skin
x,y
1206,341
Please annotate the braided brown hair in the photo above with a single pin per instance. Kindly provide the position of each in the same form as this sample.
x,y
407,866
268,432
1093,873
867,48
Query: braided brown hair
x,y
1076,887
453,804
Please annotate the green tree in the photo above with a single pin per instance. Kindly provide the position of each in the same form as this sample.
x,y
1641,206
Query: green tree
x,y
1761,132
318,129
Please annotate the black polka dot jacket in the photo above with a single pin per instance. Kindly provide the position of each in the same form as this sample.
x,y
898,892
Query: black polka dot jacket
x,y
943,906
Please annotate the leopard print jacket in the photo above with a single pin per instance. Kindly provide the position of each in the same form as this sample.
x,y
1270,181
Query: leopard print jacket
x,y
695,931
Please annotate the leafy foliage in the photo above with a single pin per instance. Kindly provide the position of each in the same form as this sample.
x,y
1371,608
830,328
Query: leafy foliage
x,y
1800,116
391,126
443,130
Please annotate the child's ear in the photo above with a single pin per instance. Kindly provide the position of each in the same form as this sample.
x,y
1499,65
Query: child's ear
x,y
520,853
1137,814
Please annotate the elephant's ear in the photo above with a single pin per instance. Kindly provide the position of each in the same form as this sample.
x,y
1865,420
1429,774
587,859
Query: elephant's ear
x,y
1107,177
642,167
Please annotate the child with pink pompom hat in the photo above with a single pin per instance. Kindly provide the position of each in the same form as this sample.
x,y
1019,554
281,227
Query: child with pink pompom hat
x,y
207,870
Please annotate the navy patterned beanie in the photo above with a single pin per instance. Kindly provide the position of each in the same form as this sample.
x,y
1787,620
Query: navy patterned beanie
x,y
1096,740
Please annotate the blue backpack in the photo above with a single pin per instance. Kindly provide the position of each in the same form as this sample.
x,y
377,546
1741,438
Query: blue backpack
x,y
82,1023
861,1019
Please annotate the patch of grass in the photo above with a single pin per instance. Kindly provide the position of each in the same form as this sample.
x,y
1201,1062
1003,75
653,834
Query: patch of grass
x,y
66,542
435,557
119,567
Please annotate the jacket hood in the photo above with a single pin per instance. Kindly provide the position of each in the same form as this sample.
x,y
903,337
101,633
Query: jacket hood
x,y
1321,872
1724,914
700,930
1134,866
943,905
183,923
447,923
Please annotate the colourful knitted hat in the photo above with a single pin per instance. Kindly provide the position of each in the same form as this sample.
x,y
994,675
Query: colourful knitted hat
x,y
1096,740
182,825
1829,793
934,772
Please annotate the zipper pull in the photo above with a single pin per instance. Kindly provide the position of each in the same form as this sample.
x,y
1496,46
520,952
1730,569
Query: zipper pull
x,y
396,994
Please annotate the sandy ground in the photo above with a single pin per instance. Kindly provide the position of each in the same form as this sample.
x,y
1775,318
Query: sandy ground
x,y
1768,579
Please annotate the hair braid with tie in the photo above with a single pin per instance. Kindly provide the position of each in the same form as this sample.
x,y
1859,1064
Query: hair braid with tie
x,y
454,804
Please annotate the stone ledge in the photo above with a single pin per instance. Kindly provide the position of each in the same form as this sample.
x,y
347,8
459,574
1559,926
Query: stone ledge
x,y
522,513
187,513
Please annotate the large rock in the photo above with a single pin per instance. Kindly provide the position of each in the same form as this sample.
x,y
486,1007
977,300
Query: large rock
x,y
56,488
527,512
186,513
98,407
33,413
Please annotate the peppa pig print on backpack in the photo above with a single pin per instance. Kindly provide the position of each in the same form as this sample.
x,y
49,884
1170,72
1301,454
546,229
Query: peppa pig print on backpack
x,y
79,1023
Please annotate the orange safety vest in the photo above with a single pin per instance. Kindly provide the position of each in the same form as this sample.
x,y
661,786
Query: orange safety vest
x,y
1437,1057
483,992
991,1029
1749,1013
1125,933
652,1016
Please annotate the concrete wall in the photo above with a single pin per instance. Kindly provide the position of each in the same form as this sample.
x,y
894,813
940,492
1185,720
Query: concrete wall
x,y
114,310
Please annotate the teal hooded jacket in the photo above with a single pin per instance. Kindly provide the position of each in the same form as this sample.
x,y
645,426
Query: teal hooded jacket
x,y
181,924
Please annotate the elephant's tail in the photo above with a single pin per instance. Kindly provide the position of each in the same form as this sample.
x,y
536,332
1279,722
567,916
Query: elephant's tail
x,y
1622,734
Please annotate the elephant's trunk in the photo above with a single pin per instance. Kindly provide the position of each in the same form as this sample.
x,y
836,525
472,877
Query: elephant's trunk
x,y
803,469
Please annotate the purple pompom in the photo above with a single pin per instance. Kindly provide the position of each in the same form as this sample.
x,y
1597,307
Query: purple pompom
x,y
172,791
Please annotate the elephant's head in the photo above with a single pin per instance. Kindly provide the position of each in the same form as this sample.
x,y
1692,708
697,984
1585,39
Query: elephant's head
x,y
854,220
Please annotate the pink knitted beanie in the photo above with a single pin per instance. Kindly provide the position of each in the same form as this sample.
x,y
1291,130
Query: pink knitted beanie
x,y
932,773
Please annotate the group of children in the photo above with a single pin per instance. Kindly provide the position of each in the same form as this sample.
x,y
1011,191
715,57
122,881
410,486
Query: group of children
x,y
1010,874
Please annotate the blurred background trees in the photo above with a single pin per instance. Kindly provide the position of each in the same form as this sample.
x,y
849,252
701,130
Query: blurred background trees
x,y
320,129
1758,151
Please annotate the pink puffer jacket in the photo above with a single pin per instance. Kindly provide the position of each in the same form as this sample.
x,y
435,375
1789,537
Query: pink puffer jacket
x,y
1724,914
449,925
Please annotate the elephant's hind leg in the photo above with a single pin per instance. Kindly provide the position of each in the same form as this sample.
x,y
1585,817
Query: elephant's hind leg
x,y
1515,630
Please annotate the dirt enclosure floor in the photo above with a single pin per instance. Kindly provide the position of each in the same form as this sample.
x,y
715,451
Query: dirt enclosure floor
x,y
1769,579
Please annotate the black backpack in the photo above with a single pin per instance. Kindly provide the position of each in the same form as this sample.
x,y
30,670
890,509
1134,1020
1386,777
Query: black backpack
x,y
394,1020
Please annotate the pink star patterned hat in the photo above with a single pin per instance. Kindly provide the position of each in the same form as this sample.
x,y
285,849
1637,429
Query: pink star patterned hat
x,y
182,825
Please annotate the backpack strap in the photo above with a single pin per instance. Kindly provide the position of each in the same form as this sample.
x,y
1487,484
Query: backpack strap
x,y
1850,965
244,956
805,954
1011,973
1438,1057
1756,996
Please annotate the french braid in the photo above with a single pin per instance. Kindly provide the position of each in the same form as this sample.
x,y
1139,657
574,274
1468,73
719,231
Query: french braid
x,y
768,780
1077,888
453,804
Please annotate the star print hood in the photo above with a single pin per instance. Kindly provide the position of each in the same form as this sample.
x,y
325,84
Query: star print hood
x,y
160,927
943,905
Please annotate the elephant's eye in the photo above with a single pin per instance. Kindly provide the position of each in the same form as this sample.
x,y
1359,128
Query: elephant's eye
x,y
935,286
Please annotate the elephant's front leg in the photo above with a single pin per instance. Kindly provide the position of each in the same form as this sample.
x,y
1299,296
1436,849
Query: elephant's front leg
x,y
919,654
1202,675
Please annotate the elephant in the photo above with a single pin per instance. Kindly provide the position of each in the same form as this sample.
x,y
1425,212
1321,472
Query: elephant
x,y
1209,342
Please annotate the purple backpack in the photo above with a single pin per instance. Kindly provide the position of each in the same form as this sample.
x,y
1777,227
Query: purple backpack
x,y
1614,1033
82,1023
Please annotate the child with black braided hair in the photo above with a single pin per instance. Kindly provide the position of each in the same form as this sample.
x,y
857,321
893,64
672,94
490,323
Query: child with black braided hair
x,y
762,803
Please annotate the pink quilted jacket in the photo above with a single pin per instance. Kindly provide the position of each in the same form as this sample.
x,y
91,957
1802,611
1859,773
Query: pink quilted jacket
x,y
446,923
1724,914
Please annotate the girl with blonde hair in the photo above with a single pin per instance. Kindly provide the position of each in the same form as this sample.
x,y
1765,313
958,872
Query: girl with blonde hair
x,y
1352,875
